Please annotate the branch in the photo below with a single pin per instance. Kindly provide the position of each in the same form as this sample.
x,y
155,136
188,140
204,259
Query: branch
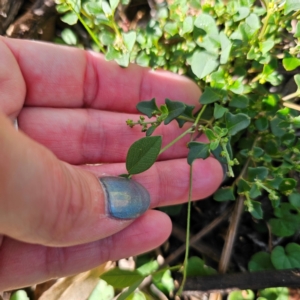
x,y
242,281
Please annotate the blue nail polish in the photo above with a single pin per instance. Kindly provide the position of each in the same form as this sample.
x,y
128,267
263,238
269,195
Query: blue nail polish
x,y
126,198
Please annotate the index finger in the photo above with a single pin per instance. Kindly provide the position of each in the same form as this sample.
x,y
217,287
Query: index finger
x,y
59,76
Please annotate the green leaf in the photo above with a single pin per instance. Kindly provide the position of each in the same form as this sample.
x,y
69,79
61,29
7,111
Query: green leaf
x,y
236,123
93,8
123,60
224,194
275,128
148,268
210,134
241,295
188,25
266,46
114,4
294,199
142,154
203,63
143,59
129,39
62,8
164,281
278,293
239,101
282,227
250,27
106,37
197,150
207,23
297,80
287,184
291,5
150,130
219,111
254,208
106,9
102,291
286,258
125,295
196,267
260,261
19,295
242,13
175,109
291,63
297,31
147,108
121,278
69,37
260,173
243,186
262,123
70,18
75,4
188,113
171,28
226,46
112,53
211,95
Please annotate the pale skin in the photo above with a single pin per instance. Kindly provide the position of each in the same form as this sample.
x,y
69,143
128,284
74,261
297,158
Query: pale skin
x,y
71,107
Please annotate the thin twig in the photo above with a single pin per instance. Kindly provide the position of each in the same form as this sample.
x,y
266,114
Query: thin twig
x,y
198,236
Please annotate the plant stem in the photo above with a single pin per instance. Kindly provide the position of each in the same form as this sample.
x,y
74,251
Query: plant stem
x,y
291,96
190,130
266,20
188,225
200,114
230,171
87,28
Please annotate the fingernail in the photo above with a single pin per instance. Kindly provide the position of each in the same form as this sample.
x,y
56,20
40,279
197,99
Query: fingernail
x,y
126,198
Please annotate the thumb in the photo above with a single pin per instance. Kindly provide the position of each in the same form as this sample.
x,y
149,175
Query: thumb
x,y
46,201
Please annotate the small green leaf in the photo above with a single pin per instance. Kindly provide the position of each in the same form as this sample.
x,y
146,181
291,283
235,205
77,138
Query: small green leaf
x,y
282,227
242,13
239,101
203,63
142,154
164,281
207,23
287,184
196,267
19,295
266,46
236,123
75,4
128,292
219,111
120,279
106,37
241,295
260,261
62,8
106,8
114,4
175,109
297,31
188,113
69,37
123,60
143,59
255,191
70,18
262,123
93,8
224,194
188,25
211,95
197,150
294,199
112,53
297,80
171,28
291,5
291,63
260,173
129,39
243,186
148,108
102,291
148,268
254,208
150,130
278,293
226,46
286,258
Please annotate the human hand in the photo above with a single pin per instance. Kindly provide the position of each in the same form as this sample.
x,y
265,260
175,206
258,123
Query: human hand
x,y
71,107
